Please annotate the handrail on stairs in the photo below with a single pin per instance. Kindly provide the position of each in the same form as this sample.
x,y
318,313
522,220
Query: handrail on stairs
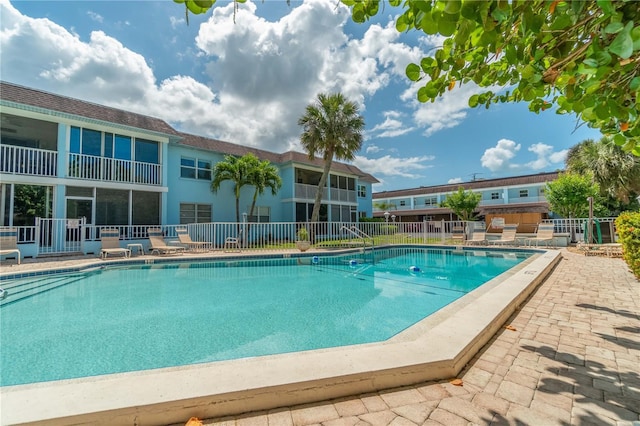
x,y
359,234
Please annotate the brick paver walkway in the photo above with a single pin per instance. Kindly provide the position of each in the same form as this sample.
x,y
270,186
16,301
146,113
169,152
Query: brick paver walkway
x,y
573,359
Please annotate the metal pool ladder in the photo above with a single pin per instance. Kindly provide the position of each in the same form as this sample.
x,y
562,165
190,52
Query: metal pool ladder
x,y
353,230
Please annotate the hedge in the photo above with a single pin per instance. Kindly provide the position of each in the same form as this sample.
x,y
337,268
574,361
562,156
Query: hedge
x,y
628,228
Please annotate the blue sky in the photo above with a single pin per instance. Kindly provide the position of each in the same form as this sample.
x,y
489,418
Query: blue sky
x,y
248,82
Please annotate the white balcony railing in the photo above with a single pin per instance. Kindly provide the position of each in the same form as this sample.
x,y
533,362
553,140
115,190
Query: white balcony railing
x,y
308,192
113,170
343,195
28,161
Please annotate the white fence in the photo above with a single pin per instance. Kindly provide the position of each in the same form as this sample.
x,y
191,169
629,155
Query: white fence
x,y
63,235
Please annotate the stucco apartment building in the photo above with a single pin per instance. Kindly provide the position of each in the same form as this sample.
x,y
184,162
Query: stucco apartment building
x,y
63,158
518,199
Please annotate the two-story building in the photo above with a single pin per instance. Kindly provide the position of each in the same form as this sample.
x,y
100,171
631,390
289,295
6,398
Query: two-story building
x,y
518,199
92,165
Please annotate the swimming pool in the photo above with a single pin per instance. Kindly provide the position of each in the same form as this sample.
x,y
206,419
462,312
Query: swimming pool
x,y
152,316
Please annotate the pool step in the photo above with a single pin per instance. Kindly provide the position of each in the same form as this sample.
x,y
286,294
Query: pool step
x,y
20,290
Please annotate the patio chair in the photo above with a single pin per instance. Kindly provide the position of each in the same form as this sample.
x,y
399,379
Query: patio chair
x,y
185,240
110,241
508,235
544,234
158,245
457,234
9,243
478,237
232,244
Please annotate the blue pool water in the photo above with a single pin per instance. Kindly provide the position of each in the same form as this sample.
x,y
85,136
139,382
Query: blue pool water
x,y
136,318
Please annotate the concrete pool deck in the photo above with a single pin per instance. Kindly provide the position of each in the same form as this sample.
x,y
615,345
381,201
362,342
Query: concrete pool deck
x,y
572,359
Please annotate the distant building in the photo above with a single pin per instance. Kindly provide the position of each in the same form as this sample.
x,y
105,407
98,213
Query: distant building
x,y
518,199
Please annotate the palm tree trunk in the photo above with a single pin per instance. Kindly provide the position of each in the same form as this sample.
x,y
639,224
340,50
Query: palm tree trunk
x,y
238,209
253,205
315,214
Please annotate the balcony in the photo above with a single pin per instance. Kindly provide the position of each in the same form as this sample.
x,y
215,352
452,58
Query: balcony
x,y
19,160
343,195
104,169
308,192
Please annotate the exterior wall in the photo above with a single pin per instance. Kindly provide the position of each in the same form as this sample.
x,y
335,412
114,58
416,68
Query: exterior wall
x,y
365,204
186,190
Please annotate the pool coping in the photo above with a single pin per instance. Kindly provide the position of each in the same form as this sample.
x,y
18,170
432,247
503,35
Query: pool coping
x,y
173,395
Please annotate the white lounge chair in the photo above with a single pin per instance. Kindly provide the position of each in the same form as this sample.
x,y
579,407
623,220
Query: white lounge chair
x,y
185,240
478,237
158,245
110,240
9,243
544,234
508,235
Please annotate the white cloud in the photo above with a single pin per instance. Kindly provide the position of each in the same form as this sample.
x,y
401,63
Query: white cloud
x,y
448,111
261,74
498,158
372,149
394,166
455,180
545,156
391,127
96,17
176,22
558,157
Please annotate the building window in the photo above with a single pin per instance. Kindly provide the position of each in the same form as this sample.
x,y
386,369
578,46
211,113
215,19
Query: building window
x,y
261,214
362,215
431,201
403,203
110,145
362,191
195,213
524,193
495,195
193,168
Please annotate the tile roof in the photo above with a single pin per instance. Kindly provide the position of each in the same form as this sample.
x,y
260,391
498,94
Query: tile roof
x,y
479,184
49,101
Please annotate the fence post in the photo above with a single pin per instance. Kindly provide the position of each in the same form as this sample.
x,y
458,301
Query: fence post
x,y
37,236
442,231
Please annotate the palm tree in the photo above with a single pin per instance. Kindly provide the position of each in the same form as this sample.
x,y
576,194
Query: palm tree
x,y
616,172
263,175
236,170
332,127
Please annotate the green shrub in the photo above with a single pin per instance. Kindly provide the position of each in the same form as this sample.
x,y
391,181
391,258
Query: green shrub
x,y
628,228
303,234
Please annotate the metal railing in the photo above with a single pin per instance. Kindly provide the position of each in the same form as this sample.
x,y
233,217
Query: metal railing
x,y
280,236
28,161
361,236
91,167
575,228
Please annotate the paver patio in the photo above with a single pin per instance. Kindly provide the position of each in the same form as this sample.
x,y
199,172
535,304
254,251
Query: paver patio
x,y
573,359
